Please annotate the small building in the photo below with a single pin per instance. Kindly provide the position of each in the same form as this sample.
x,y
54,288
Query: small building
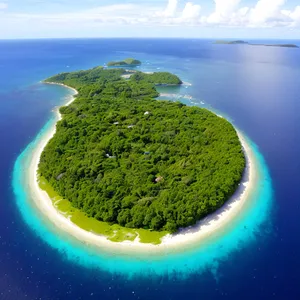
x,y
60,176
147,113
159,179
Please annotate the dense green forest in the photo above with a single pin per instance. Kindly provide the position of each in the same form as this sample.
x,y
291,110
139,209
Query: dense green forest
x,y
124,63
157,78
123,157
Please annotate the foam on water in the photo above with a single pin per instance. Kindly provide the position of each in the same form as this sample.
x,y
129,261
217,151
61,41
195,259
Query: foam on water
x,y
241,233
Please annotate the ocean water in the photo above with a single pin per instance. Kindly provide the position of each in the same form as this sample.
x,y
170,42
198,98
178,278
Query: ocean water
x,y
257,88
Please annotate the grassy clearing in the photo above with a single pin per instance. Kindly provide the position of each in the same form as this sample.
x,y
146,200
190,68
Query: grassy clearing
x,y
114,233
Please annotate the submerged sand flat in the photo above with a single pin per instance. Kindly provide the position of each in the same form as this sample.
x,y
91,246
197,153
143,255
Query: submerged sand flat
x,y
205,230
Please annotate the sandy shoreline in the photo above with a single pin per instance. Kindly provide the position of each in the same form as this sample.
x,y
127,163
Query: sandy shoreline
x,y
66,86
199,234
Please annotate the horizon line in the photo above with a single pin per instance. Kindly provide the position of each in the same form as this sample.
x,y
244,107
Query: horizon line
x,y
131,37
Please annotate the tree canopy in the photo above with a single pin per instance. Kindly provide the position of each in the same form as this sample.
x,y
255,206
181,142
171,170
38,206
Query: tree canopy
x,y
157,78
123,157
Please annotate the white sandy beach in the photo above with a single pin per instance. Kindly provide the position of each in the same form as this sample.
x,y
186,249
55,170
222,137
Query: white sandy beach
x,y
205,230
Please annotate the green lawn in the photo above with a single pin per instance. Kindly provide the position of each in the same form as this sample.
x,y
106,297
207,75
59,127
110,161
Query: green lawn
x,y
114,233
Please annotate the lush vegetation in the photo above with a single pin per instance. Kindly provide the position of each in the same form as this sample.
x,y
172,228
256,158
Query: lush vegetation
x,y
124,63
114,233
124,158
157,78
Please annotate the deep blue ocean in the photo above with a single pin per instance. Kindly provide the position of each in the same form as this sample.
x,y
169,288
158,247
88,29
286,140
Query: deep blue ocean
x,y
257,88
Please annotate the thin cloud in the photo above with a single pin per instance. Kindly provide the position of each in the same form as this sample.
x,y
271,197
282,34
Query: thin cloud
x,y
227,13
3,5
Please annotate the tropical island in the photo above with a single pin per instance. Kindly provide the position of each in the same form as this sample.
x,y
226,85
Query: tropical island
x,y
240,42
128,62
124,165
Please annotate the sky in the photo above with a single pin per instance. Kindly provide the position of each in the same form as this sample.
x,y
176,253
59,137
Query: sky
x,y
274,19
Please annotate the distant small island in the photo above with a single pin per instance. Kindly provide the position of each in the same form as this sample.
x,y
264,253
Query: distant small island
x,y
278,45
240,42
129,62
231,42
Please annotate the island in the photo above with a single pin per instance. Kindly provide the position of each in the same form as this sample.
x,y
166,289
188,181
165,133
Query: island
x,y
278,45
125,165
240,42
129,62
